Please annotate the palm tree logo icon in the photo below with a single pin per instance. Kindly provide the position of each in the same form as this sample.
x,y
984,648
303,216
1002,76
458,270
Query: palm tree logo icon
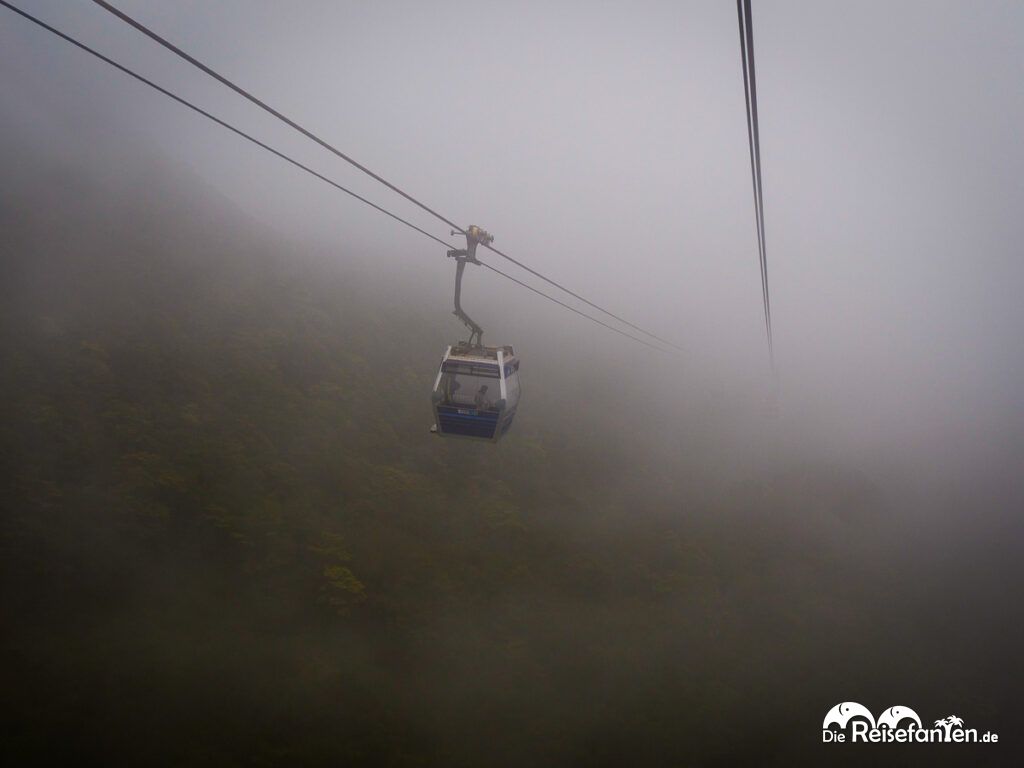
x,y
948,723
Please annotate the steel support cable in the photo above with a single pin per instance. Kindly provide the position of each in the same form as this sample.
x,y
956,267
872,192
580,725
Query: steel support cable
x,y
743,10
215,119
334,150
757,155
296,163
266,107
750,144
585,301
572,309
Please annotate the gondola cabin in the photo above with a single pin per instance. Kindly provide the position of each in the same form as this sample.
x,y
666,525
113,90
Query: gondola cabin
x,y
476,392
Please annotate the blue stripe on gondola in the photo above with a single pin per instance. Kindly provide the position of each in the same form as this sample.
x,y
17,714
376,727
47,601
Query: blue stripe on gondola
x,y
467,413
467,430
470,423
467,419
462,417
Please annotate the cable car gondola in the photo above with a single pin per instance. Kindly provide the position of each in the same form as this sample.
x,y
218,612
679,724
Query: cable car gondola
x,y
476,391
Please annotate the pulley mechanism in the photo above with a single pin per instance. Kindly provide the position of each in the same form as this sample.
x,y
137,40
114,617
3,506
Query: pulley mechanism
x,y
474,236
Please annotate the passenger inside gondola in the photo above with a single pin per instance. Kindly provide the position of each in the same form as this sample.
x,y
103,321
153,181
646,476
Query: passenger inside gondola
x,y
481,400
466,390
476,392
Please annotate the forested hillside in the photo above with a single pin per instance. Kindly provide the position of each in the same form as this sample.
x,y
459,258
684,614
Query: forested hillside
x,y
228,538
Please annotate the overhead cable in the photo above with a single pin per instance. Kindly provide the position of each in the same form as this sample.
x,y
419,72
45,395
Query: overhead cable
x,y
296,163
746,27
334,150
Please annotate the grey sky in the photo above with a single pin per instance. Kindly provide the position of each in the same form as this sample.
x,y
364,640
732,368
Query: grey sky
x,y
605,144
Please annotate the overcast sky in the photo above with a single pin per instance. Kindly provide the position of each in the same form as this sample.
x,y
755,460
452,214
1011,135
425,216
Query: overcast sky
x,y
605,144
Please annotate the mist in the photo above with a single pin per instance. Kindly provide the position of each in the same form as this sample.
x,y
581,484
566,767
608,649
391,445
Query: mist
x,y
217,373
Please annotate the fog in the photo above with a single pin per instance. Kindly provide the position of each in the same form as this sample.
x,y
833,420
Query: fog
x,y
604,145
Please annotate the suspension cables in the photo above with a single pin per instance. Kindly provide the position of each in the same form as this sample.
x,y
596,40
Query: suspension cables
x,y
310,135
263,105
237,131
490,247
214,118
754,140
572,309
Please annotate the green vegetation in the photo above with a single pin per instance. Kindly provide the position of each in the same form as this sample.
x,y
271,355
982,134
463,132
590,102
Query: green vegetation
x,y
229,539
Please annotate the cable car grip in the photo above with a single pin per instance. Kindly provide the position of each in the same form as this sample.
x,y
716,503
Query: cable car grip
x,y
474,236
